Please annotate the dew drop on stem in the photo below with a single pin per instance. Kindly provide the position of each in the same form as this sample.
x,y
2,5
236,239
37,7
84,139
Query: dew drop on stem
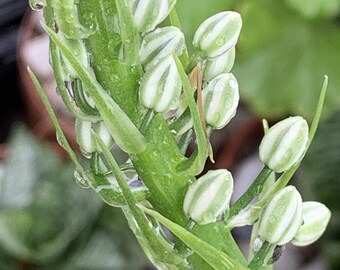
x,y
80,179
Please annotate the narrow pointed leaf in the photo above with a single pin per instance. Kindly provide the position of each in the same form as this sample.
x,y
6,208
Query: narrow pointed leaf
x,y
216,258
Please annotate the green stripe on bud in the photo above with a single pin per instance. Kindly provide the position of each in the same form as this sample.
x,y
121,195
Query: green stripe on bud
x,y
149,13
282,217
159,44
85,139
208,198
315,219
219,33
161,86
220,100
284,144
219,65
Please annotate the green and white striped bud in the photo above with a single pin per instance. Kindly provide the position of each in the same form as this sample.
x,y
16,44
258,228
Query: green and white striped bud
x,y
161,86
282,217
149,13
315,219
219,65
284,144
79,50
85,138
159,44
208,198
219,33
220,100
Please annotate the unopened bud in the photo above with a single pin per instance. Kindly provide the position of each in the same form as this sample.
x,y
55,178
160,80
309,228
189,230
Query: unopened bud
x,y
149,13
159,44
85,138
219,33
284,144
219,65
79,51
208,198
220,100
315,219
161,86
282,217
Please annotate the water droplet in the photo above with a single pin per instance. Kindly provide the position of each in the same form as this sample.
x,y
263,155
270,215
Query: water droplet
x,y
85,153
257,244
60,140
37,4
80,179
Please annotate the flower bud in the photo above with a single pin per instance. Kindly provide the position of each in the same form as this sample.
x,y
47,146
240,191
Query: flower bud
x,y
219,33
149,13
282,217
208,198
315,219
79,50
161,86
284,144
159,44
85,138
219,65
220,100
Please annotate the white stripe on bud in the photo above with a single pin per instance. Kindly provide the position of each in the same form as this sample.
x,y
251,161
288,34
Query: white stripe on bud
x,y
159,44
284,144
149,13
315,219
220,100
218,33
208,198
161,86
219,65
282,217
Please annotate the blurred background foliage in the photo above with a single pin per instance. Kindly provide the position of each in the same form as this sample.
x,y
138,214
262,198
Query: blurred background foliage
x,y
48,222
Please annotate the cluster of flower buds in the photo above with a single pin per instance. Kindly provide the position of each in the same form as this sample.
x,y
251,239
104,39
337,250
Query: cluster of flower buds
x,y
284,144
85,138
208,198
287,219
216,38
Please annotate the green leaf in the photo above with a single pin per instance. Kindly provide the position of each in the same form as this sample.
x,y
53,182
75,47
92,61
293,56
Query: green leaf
x,y
281,61
216,258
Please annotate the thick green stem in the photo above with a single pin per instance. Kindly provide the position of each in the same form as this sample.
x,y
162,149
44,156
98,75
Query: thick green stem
x,y
262,255
254,190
